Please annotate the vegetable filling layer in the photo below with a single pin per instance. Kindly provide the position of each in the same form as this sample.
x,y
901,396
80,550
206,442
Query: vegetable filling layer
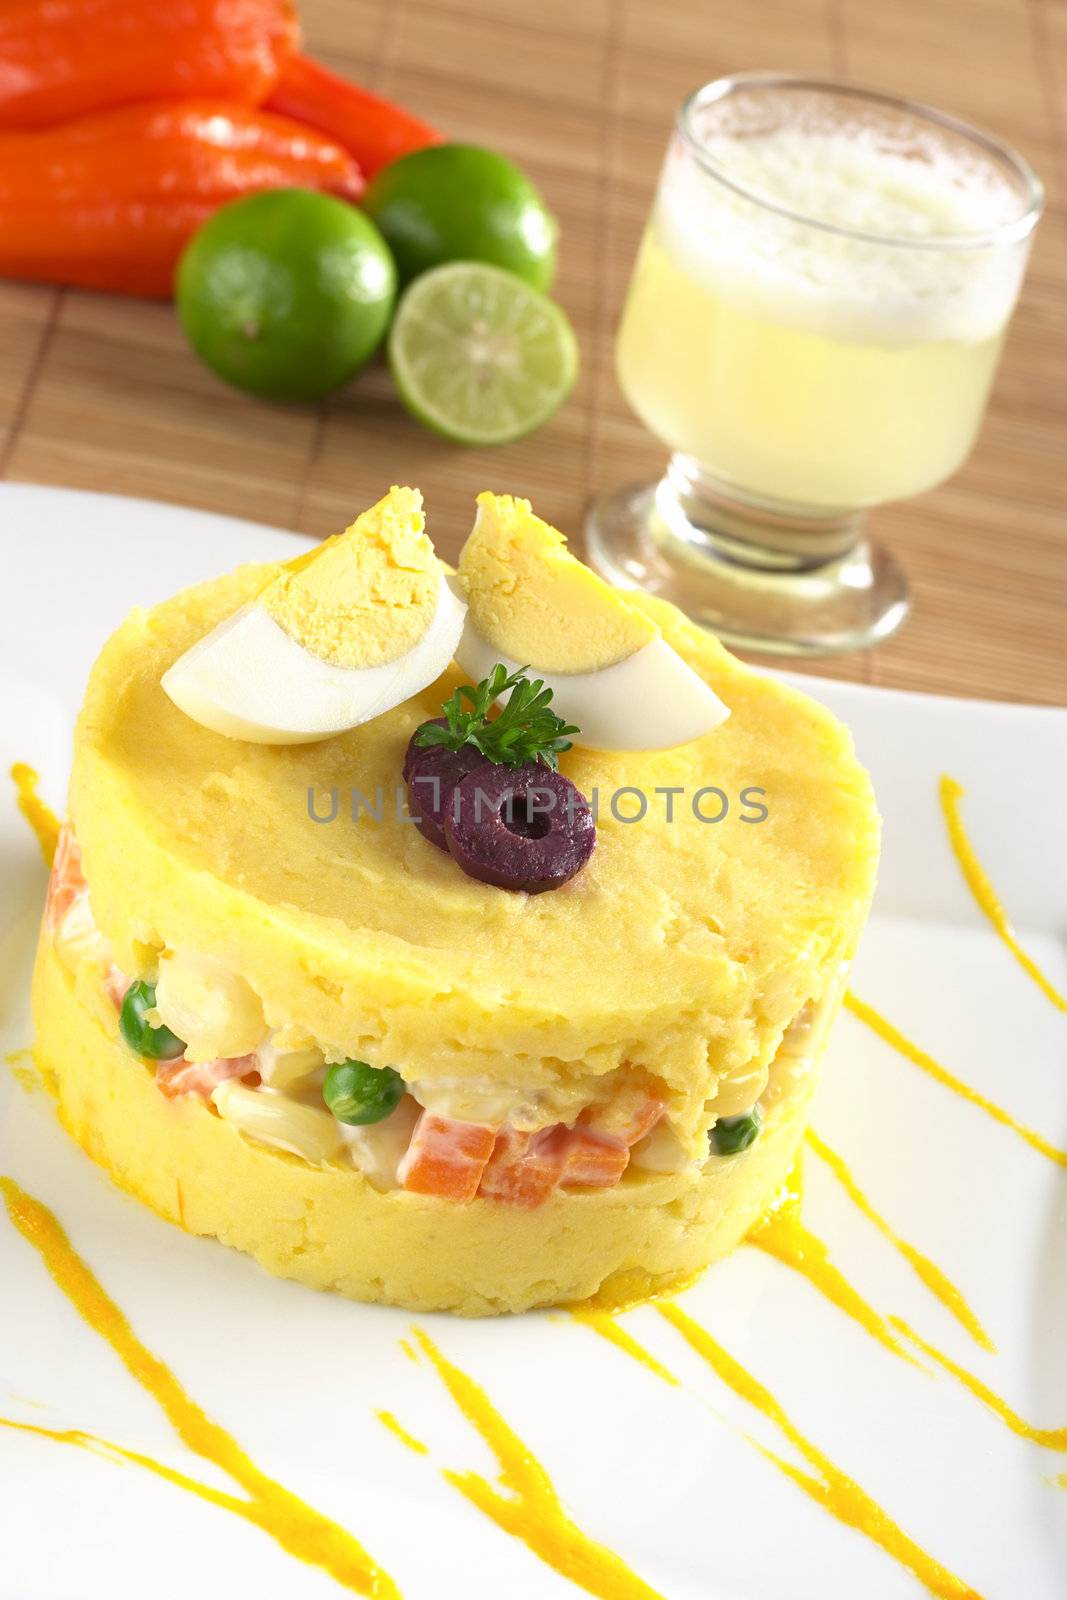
x,y
202,1030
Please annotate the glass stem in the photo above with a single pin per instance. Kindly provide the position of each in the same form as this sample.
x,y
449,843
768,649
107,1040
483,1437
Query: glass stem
x,y
716,521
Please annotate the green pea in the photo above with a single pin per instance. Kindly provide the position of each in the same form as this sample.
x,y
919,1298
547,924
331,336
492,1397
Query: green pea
x,y
734,1134
158,1044
359,1094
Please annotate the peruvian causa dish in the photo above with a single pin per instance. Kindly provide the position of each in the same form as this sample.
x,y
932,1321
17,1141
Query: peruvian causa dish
x,y
505,1043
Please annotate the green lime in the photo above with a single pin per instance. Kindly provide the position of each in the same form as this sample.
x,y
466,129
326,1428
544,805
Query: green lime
x,y
458,202
478,355
286,293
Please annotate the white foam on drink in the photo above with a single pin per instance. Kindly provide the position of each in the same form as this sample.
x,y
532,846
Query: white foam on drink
x,y
878,290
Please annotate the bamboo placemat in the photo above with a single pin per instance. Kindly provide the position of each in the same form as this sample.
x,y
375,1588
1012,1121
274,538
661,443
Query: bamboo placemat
x,y
102,393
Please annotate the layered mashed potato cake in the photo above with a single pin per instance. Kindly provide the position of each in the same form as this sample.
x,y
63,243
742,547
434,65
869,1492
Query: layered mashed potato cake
x,y
286,1016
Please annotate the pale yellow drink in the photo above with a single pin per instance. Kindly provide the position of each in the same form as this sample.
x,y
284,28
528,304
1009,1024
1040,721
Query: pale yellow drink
x,y
807,366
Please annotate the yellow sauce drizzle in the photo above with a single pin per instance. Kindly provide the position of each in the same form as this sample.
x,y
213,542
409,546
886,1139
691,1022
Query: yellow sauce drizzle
x,y
831,1488
21,1066
930,1274
529,1507
293,1524
951,793
41,818
782,1234
605,1325
387,1420
1047,1438
110,1451
629,1294
793,1243
900,1042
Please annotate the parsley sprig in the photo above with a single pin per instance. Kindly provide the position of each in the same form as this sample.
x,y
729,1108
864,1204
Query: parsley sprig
x,y
525,729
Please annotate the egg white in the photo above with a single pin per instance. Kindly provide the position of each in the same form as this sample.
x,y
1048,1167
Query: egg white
x,y
249,679
652,700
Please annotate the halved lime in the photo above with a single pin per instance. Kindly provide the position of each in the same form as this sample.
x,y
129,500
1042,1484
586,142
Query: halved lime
x,y
478,355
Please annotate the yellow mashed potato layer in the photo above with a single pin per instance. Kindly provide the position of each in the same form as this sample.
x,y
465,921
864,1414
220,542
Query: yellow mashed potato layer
x,y
329,1229
683,948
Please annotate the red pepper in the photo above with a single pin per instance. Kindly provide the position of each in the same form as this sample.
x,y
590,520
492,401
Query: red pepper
x,y
62,58
374,130
109,201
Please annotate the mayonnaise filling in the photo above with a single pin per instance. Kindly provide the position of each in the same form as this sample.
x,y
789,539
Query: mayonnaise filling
x,y
268,1083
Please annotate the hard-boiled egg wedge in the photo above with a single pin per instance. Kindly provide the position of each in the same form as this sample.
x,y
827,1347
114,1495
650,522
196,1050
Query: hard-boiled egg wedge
x,y
532,604
336,637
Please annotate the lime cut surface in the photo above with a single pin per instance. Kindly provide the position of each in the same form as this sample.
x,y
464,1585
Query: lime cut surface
x,y
479,356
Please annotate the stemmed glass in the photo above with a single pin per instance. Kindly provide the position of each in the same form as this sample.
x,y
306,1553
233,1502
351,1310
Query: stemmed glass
x,y
812,328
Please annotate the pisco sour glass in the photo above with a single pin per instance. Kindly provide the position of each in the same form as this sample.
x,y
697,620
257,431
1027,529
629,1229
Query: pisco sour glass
x,y
812,328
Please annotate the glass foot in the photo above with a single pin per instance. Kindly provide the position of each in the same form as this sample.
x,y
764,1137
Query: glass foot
x,y
755,576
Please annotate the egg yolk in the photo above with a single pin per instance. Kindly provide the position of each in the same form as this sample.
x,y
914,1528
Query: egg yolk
x,y
366,596
537,603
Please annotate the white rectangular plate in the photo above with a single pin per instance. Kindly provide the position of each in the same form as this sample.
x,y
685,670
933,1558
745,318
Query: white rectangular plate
x,y
667,1477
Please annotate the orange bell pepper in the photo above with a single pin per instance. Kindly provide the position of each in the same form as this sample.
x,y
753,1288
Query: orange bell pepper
x,y
109,201
62,58
373,129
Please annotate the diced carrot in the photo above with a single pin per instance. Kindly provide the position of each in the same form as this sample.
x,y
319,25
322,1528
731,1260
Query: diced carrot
x,y
180,1077
591,1163
115,985
524,1168
626,1117
66,882
458,1160
446,1157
